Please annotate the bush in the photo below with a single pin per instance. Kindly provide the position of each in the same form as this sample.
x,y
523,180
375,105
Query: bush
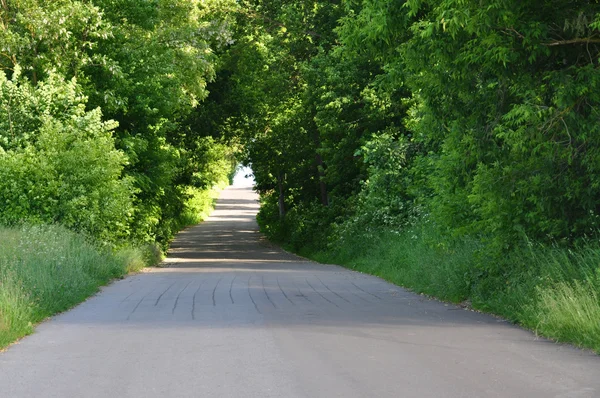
x,y
67,169
199,204
306,227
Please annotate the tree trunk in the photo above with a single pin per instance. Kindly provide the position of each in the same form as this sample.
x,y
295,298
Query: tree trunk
x,y
322,185
281,201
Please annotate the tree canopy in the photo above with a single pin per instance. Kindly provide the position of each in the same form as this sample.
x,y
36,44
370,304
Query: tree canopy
x,y
481,118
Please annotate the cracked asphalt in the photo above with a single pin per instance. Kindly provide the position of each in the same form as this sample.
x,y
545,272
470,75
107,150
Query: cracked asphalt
x,y
230,315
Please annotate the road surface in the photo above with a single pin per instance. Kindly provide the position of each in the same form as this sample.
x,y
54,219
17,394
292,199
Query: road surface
x,y
233,316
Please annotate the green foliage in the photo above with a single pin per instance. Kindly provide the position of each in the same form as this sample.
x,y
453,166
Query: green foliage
x,y
418,258
384,199
515,143
59,36
495,106
163,52
306,227
25,107
570,312
65,171
215,163
198,205
144,65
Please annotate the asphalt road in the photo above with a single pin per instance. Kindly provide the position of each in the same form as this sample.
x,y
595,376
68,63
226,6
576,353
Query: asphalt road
x,y
232,316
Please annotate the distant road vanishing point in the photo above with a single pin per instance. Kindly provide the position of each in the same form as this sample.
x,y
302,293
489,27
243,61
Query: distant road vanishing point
x,y
230,315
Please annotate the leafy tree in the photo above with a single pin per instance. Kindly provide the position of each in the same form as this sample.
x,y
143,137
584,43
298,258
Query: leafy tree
x,y
481,118
163,50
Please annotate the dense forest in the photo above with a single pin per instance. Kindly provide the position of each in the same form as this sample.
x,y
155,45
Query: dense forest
x,y
449,146
480,117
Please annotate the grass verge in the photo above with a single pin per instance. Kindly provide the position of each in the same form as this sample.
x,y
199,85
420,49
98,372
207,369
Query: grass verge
x,y
553,291
45,270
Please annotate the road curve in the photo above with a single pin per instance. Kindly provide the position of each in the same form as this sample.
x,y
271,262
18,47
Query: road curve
x,y
233,316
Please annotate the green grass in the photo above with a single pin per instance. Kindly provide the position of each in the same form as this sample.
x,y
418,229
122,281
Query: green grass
x,y
409,260
570,312
550,290
48,269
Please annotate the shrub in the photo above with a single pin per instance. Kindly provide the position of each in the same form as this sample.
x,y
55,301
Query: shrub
x,y
66,170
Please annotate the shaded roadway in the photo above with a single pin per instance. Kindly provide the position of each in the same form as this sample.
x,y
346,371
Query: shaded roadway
x,y
231,315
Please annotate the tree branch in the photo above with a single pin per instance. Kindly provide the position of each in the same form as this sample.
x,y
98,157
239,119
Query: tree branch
x,y
585,40
513,30
5,10
582,40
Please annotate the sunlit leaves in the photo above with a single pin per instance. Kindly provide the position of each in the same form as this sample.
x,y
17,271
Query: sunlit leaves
x,y
42,36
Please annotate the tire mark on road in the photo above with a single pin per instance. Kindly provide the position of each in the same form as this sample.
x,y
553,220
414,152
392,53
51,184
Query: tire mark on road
x,y
251,299
177,299
262,279
231,287
362,290
140,302
194,301
327,287
129,295
325,298
286,296
300,294
214,290
163,293
358,295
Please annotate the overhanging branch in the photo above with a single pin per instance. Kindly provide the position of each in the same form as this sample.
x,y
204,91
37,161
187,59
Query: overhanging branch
x,y
585,40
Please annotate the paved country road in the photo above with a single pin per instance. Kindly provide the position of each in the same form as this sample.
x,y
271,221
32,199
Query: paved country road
x,y
232,316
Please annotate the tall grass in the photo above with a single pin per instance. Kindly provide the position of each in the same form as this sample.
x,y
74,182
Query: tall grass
x,y
570,312
551,290
48,269
411,259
